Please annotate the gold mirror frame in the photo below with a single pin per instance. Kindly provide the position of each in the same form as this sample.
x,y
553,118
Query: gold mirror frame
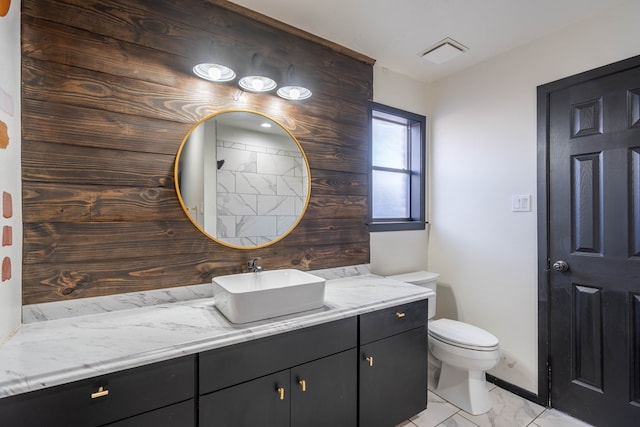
x,y
306,186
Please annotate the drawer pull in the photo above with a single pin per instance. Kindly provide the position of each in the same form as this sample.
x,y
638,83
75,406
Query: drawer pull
x,y
100,393
370,360
400,315
303,385
281,393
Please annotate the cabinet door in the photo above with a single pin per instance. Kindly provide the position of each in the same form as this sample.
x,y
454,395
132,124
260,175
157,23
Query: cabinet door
x,y
324,392
254,403
393,378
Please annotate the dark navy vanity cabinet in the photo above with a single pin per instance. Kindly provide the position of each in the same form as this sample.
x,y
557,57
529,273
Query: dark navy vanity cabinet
x,y
393,364
367,371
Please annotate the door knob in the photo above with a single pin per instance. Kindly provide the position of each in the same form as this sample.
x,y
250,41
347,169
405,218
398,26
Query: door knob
x,y
560,266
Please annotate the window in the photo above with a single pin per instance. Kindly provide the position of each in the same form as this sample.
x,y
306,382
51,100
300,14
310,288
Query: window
x,y
396,177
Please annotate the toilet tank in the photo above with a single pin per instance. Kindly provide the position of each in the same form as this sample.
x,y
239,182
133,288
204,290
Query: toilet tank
x,y
425,279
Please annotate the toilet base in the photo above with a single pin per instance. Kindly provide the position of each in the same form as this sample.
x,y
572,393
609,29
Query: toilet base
x,y
465,389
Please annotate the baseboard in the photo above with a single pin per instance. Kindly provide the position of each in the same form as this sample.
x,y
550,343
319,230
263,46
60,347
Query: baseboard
x,y
526,394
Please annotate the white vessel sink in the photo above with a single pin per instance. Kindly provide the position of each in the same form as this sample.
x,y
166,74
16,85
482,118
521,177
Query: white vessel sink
x,y
248,297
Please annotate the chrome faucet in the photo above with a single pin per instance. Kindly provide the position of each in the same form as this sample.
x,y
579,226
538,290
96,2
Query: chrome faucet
x,y
253,266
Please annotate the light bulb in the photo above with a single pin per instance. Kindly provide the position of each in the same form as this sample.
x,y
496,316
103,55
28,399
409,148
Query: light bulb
x,y
257,84
215,73
294,93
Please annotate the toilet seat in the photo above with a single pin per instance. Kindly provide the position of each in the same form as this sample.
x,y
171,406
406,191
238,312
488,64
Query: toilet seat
x,y
463,335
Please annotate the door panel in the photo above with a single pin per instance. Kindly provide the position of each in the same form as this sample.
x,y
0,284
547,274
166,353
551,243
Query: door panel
x,y
393,384
634,203
587,328
587,203
329,396
594,225
635,302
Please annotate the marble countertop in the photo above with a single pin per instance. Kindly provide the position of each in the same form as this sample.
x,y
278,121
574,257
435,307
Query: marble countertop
x,y
61,349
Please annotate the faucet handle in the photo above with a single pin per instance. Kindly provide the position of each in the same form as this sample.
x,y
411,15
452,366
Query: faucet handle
x,y
252,265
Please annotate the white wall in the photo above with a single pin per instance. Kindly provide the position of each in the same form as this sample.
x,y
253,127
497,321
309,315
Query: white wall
x,y
399,252
10,174
483,151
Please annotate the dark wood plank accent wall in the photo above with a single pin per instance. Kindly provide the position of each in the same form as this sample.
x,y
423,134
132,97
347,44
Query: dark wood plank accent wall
x,y
108,96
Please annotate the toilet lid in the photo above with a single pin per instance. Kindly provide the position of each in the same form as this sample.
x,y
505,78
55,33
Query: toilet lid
x,y
462,334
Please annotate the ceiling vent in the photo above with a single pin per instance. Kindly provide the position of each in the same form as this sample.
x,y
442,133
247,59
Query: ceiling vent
x,y
443,51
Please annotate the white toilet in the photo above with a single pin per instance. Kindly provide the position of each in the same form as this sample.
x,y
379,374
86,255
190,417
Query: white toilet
x,y
462,351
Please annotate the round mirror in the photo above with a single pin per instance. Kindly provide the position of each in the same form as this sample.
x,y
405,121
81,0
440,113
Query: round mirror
x,y
242,178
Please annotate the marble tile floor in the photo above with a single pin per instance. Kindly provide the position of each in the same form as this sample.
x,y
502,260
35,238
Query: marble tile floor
x,y
509,410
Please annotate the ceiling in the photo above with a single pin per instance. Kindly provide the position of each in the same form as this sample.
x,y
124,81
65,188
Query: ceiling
x,y
393,32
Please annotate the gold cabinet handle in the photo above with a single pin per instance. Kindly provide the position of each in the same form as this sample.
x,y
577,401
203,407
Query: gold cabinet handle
x,y
370,360
281,393
400,314
303,385
100,393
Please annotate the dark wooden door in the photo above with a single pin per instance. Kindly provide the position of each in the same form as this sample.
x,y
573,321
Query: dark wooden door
x,y
594,227
393,385
325,392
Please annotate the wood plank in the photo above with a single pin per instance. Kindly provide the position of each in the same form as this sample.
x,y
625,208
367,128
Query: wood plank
x,y
44,202
87,165
330,206
90,127
325,182
98,203
319,231
336,158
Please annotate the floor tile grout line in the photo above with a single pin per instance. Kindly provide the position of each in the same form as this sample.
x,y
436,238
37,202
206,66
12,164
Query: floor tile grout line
x,y
534,420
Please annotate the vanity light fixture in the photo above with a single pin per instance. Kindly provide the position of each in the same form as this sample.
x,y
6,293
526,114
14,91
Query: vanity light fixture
x,y
258,77
214,72
292,91
257,84
258,80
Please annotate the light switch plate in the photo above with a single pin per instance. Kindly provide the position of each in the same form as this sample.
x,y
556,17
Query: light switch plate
x,y
521,203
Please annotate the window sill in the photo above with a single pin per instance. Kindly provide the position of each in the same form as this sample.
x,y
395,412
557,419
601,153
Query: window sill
x,y
396,226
